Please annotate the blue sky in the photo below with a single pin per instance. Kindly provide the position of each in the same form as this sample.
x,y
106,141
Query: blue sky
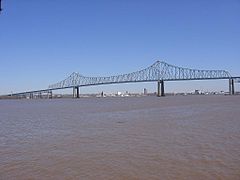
x,y
42,42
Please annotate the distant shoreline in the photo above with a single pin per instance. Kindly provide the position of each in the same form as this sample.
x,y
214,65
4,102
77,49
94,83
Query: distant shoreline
x,y
69,96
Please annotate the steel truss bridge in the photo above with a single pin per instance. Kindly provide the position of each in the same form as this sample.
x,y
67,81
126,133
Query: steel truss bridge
x,y
160,72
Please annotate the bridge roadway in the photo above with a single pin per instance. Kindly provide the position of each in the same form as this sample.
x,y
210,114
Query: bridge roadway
x,y
159,72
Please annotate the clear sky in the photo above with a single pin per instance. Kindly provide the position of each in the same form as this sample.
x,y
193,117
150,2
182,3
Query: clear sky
x,y
44,41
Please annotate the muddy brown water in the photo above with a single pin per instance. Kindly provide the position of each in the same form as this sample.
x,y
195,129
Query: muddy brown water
x,y
181,137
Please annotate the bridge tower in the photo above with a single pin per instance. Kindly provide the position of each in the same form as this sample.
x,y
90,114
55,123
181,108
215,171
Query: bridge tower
x,y
160,89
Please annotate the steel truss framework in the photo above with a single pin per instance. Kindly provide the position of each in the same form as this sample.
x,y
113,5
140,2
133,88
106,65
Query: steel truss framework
x,y
159,71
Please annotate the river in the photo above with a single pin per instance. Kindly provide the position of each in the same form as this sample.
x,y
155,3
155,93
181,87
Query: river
x,y
177,137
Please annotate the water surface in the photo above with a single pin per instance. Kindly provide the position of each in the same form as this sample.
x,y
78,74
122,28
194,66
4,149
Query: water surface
x,y
181,137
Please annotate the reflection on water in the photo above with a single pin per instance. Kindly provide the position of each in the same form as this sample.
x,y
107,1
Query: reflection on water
x,y
193,137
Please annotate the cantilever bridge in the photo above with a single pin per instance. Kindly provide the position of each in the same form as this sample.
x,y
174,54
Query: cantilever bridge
x,y
160,71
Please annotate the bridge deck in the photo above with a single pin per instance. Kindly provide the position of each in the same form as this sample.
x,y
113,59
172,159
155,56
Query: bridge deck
x,y
52,89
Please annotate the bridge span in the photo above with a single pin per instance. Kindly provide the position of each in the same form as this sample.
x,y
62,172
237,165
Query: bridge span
x,y
160,72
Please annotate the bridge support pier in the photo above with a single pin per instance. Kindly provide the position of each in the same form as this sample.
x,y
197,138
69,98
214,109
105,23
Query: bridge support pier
x,y
76,92
49,94
31,96
77,88
231,86
40,95
160,90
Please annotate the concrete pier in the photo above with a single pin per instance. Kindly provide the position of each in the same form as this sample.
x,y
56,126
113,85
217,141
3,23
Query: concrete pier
x,y
50,95
231,86
160,89
40,95
77,88
76,92
233,91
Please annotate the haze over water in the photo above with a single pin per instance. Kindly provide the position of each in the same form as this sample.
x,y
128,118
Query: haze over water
x,y
181,137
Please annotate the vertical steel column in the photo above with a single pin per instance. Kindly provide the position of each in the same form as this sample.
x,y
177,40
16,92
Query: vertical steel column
x,y
232,84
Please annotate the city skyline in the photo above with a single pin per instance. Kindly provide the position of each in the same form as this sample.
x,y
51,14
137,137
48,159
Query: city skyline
x,y
42,45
